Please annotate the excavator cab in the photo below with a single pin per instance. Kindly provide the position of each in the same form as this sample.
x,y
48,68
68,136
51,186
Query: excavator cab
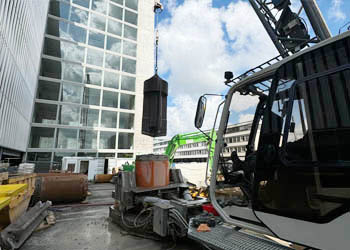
x,y
296,171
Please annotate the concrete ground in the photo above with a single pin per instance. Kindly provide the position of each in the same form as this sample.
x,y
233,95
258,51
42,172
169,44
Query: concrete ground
x,y
89,228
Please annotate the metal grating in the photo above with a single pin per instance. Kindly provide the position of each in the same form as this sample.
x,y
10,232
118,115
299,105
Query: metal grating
x,y
225,238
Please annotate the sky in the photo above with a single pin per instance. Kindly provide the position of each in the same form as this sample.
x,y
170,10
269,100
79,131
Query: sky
x,y
201,39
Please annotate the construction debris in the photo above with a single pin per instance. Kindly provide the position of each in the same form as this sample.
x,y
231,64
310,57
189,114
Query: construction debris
x,y
13,236
49,221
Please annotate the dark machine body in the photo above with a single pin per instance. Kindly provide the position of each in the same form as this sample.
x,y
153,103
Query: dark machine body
x,y
154,211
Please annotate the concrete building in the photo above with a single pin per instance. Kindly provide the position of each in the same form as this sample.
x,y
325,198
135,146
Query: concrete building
x,y
96,56
22,26
236,138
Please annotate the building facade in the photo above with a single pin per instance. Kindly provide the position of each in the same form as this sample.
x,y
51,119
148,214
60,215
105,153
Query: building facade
x,y
22,26
89,98
236,138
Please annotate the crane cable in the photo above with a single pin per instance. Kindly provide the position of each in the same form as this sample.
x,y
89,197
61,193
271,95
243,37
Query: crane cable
x,y
158,8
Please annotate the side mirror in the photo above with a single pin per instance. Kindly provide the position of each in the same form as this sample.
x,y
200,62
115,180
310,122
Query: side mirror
x,y
202,103
292,127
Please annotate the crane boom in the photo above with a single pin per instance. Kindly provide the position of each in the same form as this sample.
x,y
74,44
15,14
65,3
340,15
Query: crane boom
x,y
287,30
183,139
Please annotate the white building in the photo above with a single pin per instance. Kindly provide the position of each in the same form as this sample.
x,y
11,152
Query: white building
x,y
236,138
22,26
96,56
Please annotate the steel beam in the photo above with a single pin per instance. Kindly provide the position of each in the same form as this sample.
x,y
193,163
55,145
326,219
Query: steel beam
x,y
269,29
316,19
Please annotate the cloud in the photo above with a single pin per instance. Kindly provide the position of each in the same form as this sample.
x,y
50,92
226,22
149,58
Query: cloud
x,y
335,12
198,43
182,114
250,43
245,118
169,5
193,49
240,103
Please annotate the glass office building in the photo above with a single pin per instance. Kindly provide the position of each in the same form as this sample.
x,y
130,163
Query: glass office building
x,y
89,95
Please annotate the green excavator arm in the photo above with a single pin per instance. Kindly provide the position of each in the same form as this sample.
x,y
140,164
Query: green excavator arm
x,y
183,139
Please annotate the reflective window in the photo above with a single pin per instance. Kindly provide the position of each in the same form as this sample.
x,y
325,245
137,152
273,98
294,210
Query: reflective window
x,y
110,99
91,96
48,90
127,101
42,167
72,52
67,138
112,61
93,76
130,17
55,27
128,83
97,22
107,140
114,27
99,6
79,15
71,93
75,33
86,154
87,139
69,115
106,155
109,119
125,141
39,156
132,4
45,113
118,1
111,80
51,68
57,157
129,48
129,65
66,30
114,44
115,11
130,32
94,57
59,9
126,121
41,137
96,39
72,72
84,3
125,155
52,47
64,50
89,117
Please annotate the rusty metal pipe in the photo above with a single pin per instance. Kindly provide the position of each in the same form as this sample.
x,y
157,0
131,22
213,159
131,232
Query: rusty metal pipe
x,y
61,187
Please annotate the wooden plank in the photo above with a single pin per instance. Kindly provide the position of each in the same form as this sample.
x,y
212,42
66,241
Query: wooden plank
x,y
13,179
4,201
4,176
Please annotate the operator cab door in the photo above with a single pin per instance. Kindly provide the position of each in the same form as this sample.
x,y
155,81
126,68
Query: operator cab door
x,y
302,187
